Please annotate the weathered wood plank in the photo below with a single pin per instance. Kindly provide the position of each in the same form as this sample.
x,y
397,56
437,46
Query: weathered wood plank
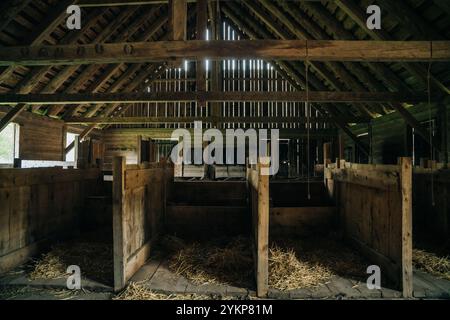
x,y
155,97
118,223
298,50
406,189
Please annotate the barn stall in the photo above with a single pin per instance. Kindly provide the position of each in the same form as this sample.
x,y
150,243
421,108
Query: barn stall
x,y
87,117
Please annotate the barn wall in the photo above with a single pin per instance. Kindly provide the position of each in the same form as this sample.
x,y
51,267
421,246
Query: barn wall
x,y
37,206
118,144
204,209
293,213
389,133
42,138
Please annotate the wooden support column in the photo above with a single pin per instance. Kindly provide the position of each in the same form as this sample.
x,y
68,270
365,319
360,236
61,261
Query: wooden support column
x,y
341,146
262,271
443,112
216,70
202,25
370,131
178,25
119,167
178,19
138,149
406,187
326,160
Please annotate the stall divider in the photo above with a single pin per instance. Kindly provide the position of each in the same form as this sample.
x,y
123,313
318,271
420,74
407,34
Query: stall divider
x,y
258,185
139,202
375,212
39,206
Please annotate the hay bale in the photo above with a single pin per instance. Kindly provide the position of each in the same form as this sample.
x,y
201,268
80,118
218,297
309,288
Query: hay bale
x,y
432,263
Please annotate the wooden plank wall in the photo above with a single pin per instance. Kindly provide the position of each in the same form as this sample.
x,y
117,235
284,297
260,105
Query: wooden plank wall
x,y
431,211
258,185
42,138
139,201
37,206
375,211
119,145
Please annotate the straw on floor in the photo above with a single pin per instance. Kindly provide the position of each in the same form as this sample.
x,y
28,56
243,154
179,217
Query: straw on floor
x,y
138,291
432,263
94,260
311,262
226,262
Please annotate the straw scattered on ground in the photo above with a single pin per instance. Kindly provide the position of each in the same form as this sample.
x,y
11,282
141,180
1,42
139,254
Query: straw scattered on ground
x,y
94,260
311,262
293,264
287,272
213,262
432,263
138,291
21,293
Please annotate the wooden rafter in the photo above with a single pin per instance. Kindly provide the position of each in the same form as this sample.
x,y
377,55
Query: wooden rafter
x,y
11,115
277,96
161,120
294,50
357,15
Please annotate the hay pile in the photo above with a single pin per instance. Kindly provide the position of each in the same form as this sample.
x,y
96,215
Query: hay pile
x,y
137,291
432,263
287,272
94,259
311,262
214,262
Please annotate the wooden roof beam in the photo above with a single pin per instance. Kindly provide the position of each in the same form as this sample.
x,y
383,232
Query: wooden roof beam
x,y
354,11
293,96
9,11
11,115
68,71
293,50
37,36
162,120
304,32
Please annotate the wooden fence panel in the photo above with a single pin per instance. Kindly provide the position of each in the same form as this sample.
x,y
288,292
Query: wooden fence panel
x,y
38,206
139,202
375,211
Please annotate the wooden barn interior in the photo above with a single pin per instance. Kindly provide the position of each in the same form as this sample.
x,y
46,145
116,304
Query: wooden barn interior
x,y
87,117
